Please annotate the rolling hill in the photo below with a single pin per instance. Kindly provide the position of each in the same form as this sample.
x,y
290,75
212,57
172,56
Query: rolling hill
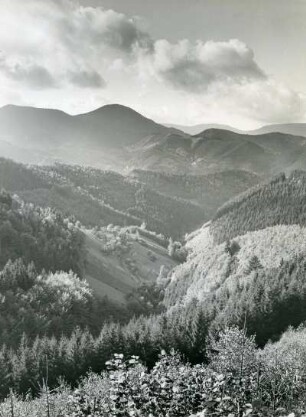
x,y
36,135
216,150
297,129
267,154
248,263
209,191
112,126
194,130
114,260
168,204
98,198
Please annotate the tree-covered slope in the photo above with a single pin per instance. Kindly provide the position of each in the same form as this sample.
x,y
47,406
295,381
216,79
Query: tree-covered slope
x,y
98,198
209,191
279,201
216,150
39,304
43,236
248,264
17,177
116,260
209,264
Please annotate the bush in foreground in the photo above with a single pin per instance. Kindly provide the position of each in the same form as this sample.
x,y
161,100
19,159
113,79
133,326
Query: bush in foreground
x,y
239,381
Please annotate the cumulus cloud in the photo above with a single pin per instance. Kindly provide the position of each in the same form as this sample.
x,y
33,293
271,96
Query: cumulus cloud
x,y
194,66
76,34
262,101
95,27
267,101
31,74
86,79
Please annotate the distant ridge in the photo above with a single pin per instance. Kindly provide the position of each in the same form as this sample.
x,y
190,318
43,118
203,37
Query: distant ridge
x,y
117,137
196,129
35,135
111,125
298,129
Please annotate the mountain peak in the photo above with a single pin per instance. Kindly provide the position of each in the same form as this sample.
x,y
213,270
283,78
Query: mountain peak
x,y
115,109
111,126
217,133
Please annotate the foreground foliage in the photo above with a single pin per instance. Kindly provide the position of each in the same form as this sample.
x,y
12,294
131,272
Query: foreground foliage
x,y
238,381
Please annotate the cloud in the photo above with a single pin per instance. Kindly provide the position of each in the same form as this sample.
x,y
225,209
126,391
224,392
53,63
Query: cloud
x,y
86,79
30,74
195,66
96,27
66,47
77,36
60,37
266,101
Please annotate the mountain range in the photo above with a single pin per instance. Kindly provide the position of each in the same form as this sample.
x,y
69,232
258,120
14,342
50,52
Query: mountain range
x,y
298,129
158,176
45,135
194,130
118,138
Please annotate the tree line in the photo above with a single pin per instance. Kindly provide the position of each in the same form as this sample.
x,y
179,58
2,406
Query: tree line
x,y
265,304
238,379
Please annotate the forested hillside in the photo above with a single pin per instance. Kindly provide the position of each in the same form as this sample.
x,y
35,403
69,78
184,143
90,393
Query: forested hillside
x,y
209,191
43,236
169,204
99,198
279,201
38,304
248,264
216,150
43,259
115,260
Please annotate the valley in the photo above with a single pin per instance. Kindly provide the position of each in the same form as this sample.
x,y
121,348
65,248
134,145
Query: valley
x,y
154,240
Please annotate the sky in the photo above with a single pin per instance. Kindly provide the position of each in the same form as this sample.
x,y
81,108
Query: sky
x,y
235,62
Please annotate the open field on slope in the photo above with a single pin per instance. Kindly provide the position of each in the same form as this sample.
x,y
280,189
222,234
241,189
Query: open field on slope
x,y
118,273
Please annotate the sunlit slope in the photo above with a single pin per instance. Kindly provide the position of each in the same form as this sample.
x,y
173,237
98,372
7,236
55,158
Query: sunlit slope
x,y
255,233
133,261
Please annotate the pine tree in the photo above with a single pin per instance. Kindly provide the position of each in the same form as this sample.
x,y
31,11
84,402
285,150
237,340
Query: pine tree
x,y
254,264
